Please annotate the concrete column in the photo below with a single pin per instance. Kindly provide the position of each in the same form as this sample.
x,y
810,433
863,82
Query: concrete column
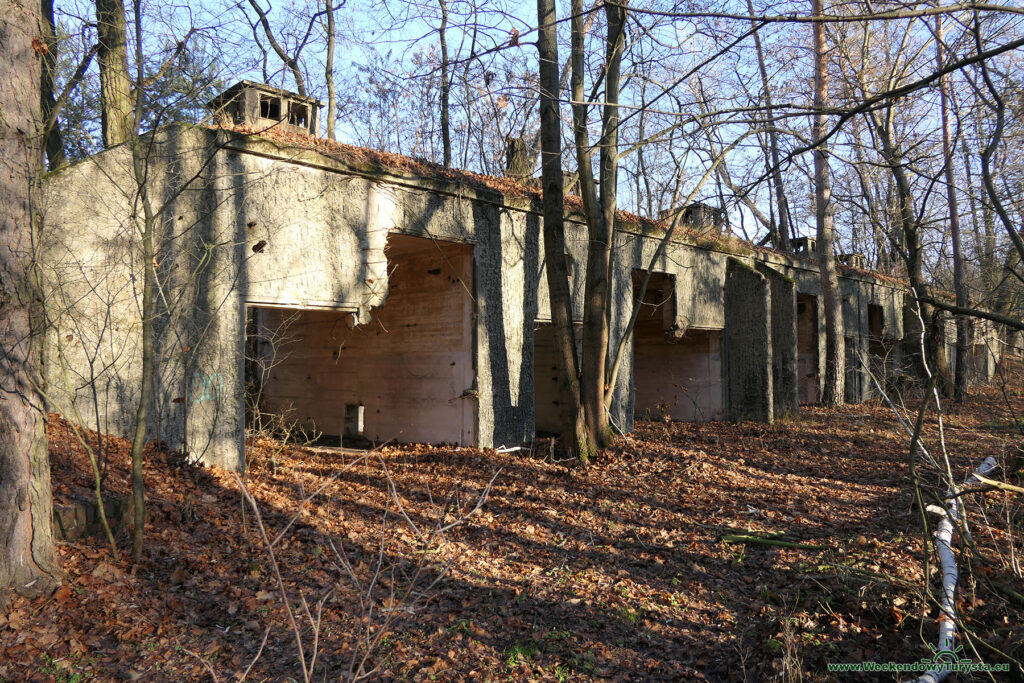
x,y
747,347
785,396
214,330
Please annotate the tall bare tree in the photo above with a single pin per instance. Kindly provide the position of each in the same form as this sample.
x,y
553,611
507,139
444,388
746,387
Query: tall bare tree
x,y
833,391
446,133
779,232
28,562
574,427
599,207
959,285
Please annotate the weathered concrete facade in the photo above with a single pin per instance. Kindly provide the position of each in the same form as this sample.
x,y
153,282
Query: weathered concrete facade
x,y
416,302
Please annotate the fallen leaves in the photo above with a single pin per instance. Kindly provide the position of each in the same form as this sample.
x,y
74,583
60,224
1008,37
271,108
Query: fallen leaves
x,y
616,570
107,572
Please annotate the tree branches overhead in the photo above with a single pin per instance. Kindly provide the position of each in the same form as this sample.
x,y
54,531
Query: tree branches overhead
x,y
457,81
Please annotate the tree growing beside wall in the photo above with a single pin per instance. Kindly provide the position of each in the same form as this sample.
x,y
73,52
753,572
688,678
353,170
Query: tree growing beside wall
x,y
154,174
833,387
28,562
589,380
585,382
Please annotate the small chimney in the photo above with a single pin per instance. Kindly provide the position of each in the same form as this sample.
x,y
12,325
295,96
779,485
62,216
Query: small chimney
x,y
853,260
571,183
518,163
261,106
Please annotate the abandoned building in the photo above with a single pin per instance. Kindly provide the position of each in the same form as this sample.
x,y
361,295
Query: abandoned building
x,y
373,297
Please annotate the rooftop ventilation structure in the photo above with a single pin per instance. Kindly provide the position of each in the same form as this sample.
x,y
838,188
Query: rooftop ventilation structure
x,y
853,260
260,106
698,217
805,246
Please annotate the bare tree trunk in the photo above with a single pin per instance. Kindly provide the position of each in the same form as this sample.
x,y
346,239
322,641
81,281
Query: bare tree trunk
x,y
998,104
982,246
563,80
332,100
446,135
780,236
54,143
833,392
115,84
574,429
867,189
959,287
912,253
291,62
28,563
600,213
141,151
148,370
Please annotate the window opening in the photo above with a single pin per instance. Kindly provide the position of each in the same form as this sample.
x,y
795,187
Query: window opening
x,y
270,107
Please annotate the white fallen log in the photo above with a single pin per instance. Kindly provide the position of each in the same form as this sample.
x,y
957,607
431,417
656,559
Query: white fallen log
x,y
950,517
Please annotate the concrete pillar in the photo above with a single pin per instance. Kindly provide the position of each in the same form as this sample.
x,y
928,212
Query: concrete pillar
x,y
785,395
747,347
214,330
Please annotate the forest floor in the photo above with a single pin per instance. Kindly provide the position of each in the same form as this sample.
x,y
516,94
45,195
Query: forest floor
x,y
616,570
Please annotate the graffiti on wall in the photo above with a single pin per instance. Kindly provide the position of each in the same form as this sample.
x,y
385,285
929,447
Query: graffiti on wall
x,y
206,387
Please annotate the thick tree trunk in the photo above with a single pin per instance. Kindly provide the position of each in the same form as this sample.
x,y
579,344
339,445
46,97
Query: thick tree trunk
x,y
574,429
116,106
28,563
833,391
959,287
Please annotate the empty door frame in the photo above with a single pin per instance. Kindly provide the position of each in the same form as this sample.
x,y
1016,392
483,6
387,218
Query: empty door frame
x,y
677,378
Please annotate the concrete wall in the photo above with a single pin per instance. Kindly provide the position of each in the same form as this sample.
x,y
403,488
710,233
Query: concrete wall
x,y
247,222
699,281
271,227
92,215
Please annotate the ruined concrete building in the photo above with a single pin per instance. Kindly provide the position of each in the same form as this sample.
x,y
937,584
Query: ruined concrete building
x,y
366,295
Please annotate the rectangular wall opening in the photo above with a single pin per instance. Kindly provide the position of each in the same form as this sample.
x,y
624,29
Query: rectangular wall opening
x,y
876,328
298,115
673,378
270,107
807,347
881,348
407,375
